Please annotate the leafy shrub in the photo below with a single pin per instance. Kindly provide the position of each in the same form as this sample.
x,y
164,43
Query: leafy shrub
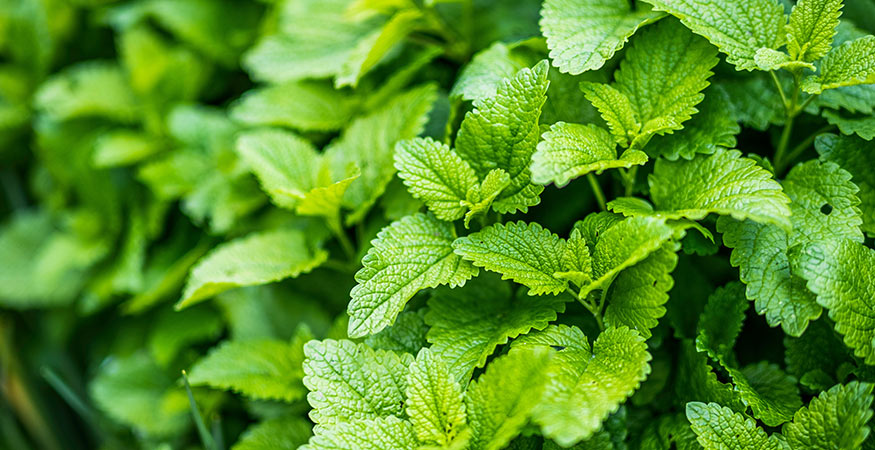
x,y
360,224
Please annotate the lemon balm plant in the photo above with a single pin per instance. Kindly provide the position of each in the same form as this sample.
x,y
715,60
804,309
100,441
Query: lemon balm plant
x,y
456,224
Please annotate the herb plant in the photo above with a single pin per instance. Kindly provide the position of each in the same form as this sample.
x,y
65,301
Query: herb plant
x,y
437,224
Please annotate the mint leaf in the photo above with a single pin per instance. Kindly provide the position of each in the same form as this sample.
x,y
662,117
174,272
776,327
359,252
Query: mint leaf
x,y
771,394
834,419
755,24
384,433
849,64
571,150
616,109
280,433
583,35
303,105
482,76
502,132
811,29
721,321
714,126
370,49
718,427
434,400
394,270
851,154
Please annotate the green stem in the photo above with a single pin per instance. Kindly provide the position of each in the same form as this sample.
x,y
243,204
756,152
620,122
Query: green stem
x,y
791,112
597,191
801,147
629,180
71,397
206,437
780,90
592,307
342,238
805,104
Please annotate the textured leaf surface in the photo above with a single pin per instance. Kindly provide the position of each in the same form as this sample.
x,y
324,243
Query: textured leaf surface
x,y
737,28
259,258
616,109
260,369
853,154
436,175
834,419
811,29
571,150
863,126
501,400
721,321
585,386
723,183
771,394
849,64
411,254
384,433
349,382
483,75
582,35
525,253
712,127
303,105
502,132
434,400
281,433
842,274
467,326
719,428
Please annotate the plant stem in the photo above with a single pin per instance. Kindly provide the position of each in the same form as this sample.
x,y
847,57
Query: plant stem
x,y
597,191
342,238
790,112
802,146
780,90
591,306
71,397
629,180
206,437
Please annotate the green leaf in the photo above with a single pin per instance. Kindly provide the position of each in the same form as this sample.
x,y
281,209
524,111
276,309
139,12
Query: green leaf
x,y
585,386
258,258
409,255
89,89
436,175
849,64
407,334
525,253
724,183
571,150
834,419
636,298
811,29
755,100
467,326
719,428
755,24
582,35
863,126
839,273
824,205
480,197
616,109
721,321
349,382
384,433
304,105
816,356
372,48
697,380
369,144
434,400
259,369
711,128
502,133
482,76
280,433
771,394
501,400
124,147
853,154
768,59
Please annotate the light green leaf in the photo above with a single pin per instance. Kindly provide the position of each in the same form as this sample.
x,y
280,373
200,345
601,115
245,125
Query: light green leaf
x,y
576,260
719,428
286,165
712,127
407,334
834,419
616,109
258,258
571,150
349,382
811,29
467,325
585,386
409,255
89,89
824,203
723,183
769,59
436,175
384,433
372,48
502,133
840,273
482,76
369,144
434,400
863,126
771,394
849,64
582,35
853,154
280,433
721,321
500,402
525,253
480,197
304,105
124,147
755,24
259,369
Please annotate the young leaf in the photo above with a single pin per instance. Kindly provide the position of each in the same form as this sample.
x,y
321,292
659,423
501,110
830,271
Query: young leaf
x,y
434,400
370,49
500,402
259,369
711,128
723,183
409,255
349,382
571,150
584,387
436,175
502,132
811,29
482,76
755,24
303,105
89,89
616,109
849,64
721,321
582,35
382,433
259,258
719,428
840,273
467,326
407,334
834,419
525,253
